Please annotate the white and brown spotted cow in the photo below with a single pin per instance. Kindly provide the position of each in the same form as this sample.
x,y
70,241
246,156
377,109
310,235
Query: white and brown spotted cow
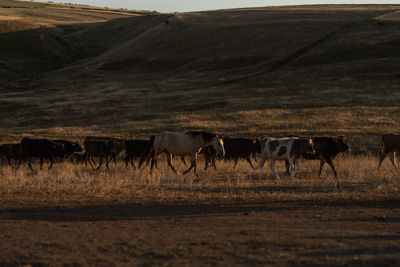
x,y
289,148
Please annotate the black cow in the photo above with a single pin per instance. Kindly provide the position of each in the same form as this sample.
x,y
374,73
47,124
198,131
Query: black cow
x,y
69,147
134,149
39,148
235,148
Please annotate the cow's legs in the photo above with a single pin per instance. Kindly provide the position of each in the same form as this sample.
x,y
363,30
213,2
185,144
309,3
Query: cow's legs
x,y
51,163
332,166
296,164
183,159
41,163
291,168
392,156
107,165
234,165
169,160
272,166
381,158
321,165
101,162
249,161
262,161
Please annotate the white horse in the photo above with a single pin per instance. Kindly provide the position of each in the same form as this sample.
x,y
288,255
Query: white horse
x,y
180,144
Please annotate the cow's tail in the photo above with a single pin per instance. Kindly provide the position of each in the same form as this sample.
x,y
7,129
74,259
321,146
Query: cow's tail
x,y
383,146
148,151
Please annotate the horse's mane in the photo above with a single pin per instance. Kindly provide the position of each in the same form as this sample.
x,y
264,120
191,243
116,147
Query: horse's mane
x,y
206,136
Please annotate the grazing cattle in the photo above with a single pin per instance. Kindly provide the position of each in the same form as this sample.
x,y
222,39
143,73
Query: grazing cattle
x,y
5,154
182,143
119,144
76,157
103,149
9,152
135,149
40,148
390,144
290,148
326,149
69,147
235,148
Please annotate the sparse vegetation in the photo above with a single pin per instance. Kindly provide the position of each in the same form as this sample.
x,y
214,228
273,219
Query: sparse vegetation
x,y
71,71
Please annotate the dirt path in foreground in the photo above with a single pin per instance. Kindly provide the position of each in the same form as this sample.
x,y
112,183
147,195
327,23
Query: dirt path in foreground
x,y
263,233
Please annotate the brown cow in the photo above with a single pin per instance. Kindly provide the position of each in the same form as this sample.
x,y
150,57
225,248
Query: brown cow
x,y
235,148
119,144
390,144
103,149
326,149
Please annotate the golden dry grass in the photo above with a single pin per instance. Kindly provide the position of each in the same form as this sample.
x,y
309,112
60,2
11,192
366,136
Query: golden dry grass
x,y
68,184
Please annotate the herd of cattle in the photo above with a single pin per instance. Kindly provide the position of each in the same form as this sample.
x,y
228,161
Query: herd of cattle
x,y
290,149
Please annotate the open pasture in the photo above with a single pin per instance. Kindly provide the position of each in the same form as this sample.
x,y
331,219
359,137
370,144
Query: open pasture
x,y
74,215
73,71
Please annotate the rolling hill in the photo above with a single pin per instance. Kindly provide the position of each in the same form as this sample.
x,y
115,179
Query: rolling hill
x,y
72,70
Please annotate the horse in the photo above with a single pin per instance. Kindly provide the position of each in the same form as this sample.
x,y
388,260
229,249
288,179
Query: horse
x,y
180,144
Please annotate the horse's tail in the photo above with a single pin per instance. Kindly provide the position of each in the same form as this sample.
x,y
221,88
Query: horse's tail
x,y
148,152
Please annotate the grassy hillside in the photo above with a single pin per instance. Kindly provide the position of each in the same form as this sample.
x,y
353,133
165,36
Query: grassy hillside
x,y
247,72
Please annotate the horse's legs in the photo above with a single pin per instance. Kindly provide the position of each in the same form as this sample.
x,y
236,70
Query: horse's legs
x,y
169,160
194,159
321,165
206,161
271,165
213,163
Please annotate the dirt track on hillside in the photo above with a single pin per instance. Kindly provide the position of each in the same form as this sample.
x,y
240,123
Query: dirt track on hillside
x,y
255,233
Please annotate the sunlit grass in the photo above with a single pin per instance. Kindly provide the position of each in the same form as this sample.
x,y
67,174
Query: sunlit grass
x,y
67,184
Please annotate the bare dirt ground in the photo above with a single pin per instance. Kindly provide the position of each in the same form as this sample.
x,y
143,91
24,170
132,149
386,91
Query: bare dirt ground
x,y
250,233
73,216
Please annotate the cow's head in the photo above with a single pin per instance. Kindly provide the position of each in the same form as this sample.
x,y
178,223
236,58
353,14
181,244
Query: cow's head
x,y
343,144
307,146
258,145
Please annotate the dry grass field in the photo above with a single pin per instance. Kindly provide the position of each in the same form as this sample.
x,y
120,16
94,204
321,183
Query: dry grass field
x,y
71,71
